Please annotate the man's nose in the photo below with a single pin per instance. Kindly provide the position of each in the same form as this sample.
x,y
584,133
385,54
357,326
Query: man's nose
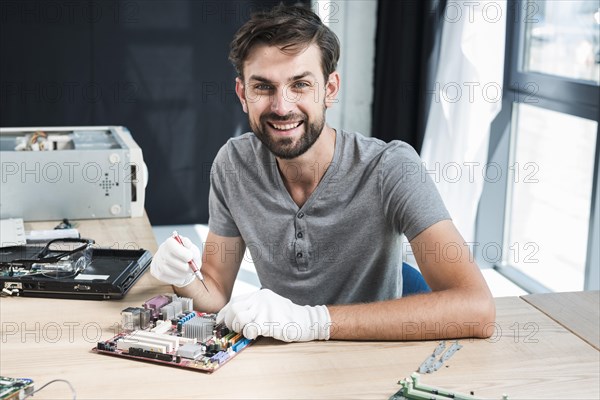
x,y
281,101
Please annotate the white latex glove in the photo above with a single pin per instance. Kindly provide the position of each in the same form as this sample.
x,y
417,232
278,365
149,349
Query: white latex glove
x,y
265,313
170,263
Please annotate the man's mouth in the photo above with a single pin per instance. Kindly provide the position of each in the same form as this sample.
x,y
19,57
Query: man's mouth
x,y
285,127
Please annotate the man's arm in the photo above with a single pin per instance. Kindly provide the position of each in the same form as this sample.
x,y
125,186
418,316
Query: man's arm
x,y
221,260
460,304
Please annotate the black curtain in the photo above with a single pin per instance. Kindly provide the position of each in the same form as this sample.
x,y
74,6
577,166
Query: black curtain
x,y
406,58
159,68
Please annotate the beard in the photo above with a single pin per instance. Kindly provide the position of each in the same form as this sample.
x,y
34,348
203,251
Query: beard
x,y
285,147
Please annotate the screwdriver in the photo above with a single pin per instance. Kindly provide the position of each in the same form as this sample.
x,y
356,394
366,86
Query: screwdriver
x,y
191,263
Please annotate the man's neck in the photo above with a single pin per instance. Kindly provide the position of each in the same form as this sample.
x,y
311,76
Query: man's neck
x,y
302,175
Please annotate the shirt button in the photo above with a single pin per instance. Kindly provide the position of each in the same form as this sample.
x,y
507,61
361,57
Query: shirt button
x,y
300,215
299,255
299,235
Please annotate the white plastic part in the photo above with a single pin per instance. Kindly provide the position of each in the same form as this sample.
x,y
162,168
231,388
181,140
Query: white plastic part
x,y
114,158
125,344
161,327
142,335
115,209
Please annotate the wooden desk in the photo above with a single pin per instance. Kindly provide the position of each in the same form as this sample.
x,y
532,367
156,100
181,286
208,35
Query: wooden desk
x,y
116,233
529,356
579,312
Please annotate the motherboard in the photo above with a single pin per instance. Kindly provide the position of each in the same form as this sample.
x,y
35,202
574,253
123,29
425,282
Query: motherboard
x,y
167,331
15,388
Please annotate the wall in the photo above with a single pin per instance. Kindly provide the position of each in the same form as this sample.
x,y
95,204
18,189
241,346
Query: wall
x,y
158,67
354,23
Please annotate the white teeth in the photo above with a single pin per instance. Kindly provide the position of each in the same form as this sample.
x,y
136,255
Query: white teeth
x,y
286,127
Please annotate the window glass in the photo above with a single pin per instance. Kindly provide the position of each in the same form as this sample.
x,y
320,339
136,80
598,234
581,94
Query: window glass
x,y
551,185
562,38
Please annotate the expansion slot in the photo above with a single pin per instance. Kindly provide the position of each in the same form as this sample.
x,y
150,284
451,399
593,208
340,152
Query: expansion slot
x,y
173,341
125,344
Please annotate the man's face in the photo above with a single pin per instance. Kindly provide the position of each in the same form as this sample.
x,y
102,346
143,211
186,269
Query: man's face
x,y
285,98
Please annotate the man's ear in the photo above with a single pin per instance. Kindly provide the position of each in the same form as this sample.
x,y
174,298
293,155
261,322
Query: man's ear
x,y
332,87
241,93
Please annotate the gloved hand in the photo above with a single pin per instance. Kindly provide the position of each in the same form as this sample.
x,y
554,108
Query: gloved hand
x,y
265,313
170,263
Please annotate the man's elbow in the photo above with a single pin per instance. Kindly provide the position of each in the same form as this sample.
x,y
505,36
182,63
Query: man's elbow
x,y
484,311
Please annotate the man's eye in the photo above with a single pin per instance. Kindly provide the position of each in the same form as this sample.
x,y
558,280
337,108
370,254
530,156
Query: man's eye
x,y
301,85
263,87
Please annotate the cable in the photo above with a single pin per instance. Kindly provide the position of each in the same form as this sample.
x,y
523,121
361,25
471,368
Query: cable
x,y
52,381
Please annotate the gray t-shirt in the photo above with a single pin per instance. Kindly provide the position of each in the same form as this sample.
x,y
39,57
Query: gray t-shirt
x,y
343,245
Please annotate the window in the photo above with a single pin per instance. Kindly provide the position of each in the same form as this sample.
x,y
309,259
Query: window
x,y
561,39
546,138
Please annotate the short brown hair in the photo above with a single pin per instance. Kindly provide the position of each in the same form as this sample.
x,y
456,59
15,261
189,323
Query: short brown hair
x,y
292,29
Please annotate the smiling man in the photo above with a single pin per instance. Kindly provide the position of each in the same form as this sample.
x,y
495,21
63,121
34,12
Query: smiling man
x,y
322,211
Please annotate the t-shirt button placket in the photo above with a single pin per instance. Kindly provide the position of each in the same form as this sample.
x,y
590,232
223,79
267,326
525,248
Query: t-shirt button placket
x,y
301,259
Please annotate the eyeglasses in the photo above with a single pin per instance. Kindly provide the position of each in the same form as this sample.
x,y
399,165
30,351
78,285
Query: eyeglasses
x,y
59,258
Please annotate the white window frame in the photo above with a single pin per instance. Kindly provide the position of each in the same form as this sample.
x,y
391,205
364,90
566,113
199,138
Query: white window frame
x,y
565,95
